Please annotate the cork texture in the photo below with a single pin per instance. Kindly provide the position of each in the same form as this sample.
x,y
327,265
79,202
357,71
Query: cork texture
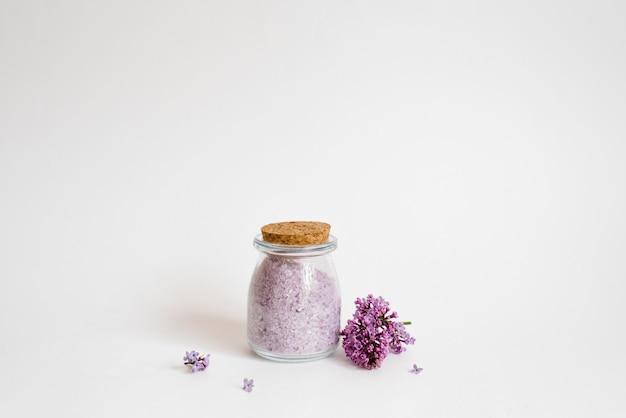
x,y
296,233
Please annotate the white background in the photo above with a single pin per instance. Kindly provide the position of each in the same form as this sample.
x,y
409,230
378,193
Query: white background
x,y
470,157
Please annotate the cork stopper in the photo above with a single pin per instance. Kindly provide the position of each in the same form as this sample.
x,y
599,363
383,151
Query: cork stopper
x,y
296,233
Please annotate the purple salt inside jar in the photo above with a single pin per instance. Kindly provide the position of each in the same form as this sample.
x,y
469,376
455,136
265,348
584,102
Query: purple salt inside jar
x,y
294,300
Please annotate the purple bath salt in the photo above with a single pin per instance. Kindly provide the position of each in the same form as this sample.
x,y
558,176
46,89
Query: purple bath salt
x,y
293,308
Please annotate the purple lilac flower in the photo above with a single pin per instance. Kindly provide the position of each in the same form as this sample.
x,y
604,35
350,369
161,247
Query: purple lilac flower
x,y
416,369
399,336
196,361
248,384
371,334
191,357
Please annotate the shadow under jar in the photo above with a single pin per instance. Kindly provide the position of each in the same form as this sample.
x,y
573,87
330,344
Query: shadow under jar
x,y
294,301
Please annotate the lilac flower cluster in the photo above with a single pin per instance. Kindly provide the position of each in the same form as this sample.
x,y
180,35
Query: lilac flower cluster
x,y
372,333
197,361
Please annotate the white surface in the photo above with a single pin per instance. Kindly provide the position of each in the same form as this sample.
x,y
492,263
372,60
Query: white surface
x,y
469,156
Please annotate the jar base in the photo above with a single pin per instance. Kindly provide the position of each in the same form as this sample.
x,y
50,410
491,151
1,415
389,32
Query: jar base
x,y
292,358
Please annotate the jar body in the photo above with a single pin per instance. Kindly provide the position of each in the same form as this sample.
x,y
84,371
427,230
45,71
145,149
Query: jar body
x,y
294,302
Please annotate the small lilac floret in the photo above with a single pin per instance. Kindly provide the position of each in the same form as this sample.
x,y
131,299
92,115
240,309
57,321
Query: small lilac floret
x,y
201,364
416,369
248,384
196,361
191,357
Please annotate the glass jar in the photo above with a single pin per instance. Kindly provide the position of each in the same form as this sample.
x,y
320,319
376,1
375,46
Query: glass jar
x,y
294,301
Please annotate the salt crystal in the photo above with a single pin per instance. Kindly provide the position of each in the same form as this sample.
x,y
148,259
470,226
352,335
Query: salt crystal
x,y
294,308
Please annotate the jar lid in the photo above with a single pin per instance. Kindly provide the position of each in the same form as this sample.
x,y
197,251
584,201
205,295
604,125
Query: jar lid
x,y
296,233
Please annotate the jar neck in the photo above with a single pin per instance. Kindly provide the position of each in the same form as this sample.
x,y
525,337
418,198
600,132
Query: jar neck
x,y
295,250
